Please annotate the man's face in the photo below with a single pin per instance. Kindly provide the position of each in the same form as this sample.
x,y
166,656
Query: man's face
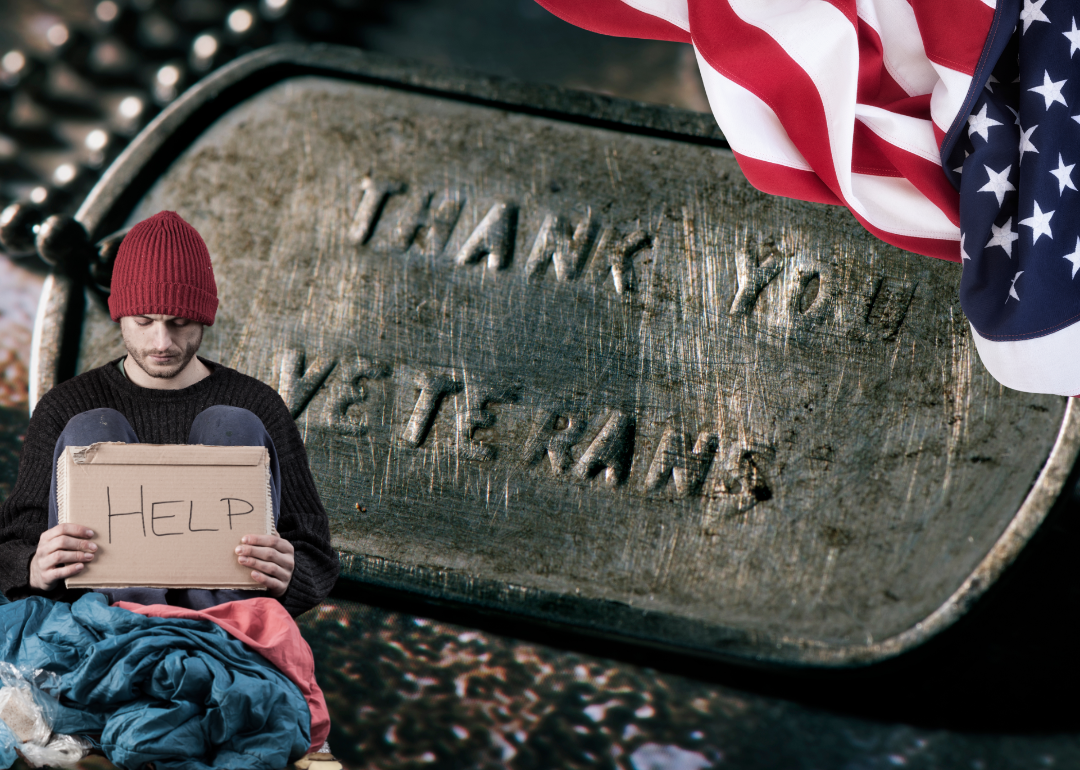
x,y
161,345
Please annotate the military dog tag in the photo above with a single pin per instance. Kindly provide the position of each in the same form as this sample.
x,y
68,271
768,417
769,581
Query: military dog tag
x,y
552,355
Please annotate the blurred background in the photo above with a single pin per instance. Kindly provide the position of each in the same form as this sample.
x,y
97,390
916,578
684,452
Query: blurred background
x,y
418,685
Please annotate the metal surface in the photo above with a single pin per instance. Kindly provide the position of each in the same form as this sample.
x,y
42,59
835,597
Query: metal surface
x,y
552,355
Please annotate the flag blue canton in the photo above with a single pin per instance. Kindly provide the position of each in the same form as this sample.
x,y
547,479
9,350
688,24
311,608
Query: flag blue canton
x,y
1019,203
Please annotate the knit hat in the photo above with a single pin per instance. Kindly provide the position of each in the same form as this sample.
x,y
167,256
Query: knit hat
x,y
163,267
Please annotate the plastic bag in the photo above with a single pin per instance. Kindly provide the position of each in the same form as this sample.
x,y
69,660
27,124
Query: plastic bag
x,y
19,709
26,708
60,751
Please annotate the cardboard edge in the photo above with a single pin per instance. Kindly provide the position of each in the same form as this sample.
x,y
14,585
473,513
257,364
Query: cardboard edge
x,y
63,504
271,525
106,453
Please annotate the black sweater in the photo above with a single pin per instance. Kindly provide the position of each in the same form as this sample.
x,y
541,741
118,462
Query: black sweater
x,y
165,417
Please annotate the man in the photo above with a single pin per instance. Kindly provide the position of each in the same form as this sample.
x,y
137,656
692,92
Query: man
x,y
163,294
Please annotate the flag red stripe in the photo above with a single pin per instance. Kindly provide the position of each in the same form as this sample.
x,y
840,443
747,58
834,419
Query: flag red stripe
x,y
877,87
789,182
954,32
611,17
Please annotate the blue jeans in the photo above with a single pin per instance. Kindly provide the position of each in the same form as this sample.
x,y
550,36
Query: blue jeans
x,y
216,426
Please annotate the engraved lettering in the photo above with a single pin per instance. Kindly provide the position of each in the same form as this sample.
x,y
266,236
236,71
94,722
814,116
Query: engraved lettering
x,y
754,271
493,238
191,514
888,305
475,416
433,389
808,292
567,250
439,220
346,390
229,501
299,382
154,518
622,260
372,200
686,467
558,432
611,451
748,485
812,293
751,470
139,513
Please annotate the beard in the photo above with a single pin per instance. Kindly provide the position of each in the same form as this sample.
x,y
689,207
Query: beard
x,y
181,357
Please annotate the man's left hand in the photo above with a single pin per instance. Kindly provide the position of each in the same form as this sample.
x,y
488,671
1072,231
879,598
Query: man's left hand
x,y
271,560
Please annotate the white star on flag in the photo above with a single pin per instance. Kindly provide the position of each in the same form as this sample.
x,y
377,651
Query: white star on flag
x,y
990,82
1003,237
1049,91
1015,114
1025,141
980,124
964,255
1012,288
960,169
1075,258
1032,13
999,183
1064,175
1074,38
1039,222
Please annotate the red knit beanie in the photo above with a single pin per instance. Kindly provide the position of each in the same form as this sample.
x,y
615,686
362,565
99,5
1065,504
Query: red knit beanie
x,y
163,267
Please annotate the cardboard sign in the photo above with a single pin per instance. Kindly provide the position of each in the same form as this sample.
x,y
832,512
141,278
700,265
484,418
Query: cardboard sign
x,y
165,516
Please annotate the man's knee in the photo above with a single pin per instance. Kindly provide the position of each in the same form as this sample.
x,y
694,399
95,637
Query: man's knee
x,y
222,425
98,425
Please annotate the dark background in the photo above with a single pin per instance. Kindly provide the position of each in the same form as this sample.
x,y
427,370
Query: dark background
x,y
414,684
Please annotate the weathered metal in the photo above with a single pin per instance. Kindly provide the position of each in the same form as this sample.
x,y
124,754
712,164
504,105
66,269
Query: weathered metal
x,y
553,356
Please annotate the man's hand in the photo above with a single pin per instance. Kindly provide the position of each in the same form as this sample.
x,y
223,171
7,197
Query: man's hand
x,y
62,552
271,560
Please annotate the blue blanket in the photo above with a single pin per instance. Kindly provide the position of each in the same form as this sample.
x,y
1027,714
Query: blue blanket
x,y
178,693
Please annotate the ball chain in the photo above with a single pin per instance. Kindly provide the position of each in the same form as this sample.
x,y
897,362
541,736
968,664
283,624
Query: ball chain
x,y
150,50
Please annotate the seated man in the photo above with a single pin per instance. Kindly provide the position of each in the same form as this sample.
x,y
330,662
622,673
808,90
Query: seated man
x,y
163,293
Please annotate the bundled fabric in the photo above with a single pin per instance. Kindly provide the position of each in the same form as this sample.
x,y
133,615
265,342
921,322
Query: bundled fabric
x,y
875,104
181,693
264,626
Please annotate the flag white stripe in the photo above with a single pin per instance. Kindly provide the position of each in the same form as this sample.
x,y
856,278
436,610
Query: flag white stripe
x,y
674,12
901,42
895,205
948,96
1043,365
913,135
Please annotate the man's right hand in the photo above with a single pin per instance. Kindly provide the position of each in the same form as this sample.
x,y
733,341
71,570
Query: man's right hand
x,y
62,552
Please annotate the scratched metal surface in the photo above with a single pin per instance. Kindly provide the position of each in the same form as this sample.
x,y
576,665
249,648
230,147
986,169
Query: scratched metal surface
x,y
594,376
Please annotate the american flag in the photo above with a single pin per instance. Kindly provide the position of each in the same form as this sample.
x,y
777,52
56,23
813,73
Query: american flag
x,y
947,127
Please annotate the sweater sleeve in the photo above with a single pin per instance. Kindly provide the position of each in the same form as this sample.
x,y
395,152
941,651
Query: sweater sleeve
x,y
24,515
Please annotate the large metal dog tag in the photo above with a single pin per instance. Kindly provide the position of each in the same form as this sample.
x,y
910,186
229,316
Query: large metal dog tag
x,y
552,355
